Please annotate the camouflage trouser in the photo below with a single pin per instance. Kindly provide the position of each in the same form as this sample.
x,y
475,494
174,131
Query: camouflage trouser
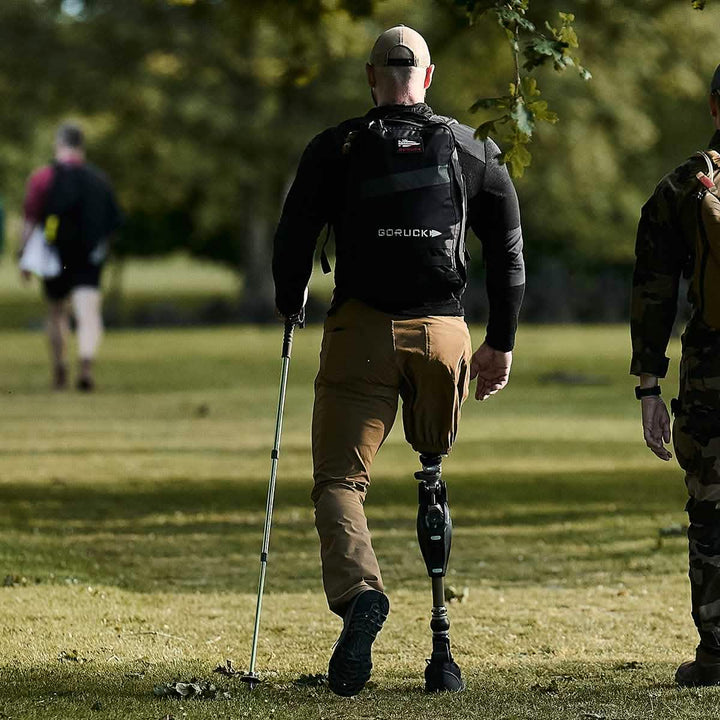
x,y
696,437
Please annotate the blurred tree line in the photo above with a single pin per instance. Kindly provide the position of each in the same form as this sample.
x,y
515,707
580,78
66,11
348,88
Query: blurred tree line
x,y
199,110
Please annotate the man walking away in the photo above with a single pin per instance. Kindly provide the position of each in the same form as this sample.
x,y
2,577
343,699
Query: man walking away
x,y
397,187
679,232
75,204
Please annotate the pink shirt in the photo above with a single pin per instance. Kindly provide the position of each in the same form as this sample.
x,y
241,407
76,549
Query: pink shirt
x,y
37,190
38,187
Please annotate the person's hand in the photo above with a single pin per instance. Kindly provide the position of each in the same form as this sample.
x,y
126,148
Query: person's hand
x,y
297,319
491,368
25,276
656,425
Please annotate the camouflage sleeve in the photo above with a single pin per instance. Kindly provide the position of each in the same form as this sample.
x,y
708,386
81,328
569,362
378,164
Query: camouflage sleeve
x,y
659,259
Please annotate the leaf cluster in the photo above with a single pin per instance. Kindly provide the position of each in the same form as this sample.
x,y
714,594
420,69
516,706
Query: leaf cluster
x,y
522,110
554,45
522,107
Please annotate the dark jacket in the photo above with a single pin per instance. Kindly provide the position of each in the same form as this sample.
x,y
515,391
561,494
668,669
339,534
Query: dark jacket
x,y
82,198
664,248
493,213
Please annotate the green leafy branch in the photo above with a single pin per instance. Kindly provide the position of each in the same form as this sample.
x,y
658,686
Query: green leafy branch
x,y
521,109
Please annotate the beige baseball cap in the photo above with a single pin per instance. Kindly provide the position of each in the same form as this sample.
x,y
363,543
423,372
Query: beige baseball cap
x,y
400,46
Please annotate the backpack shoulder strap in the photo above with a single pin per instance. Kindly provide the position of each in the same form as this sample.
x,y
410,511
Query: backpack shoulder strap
x,y
344,151
446,119
712,162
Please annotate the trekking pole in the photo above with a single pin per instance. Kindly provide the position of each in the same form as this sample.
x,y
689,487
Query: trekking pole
x,y
251,677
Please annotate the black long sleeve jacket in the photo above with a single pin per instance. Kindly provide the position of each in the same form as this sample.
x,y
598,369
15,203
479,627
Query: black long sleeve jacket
x,y
493,214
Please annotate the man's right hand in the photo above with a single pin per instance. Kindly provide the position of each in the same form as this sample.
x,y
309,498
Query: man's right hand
x,y
25,276
296,319
656,425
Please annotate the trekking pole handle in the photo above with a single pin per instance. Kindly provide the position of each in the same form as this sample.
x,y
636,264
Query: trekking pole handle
x,y
290,323
288,338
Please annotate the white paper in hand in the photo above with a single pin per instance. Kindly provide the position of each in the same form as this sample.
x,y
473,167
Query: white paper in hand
x,y
38,257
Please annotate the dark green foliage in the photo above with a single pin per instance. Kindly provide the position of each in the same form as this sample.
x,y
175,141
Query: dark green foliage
x,y
198,110
556,47
517,124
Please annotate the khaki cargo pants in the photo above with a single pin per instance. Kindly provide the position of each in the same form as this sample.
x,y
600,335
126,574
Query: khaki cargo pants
x,y
368,360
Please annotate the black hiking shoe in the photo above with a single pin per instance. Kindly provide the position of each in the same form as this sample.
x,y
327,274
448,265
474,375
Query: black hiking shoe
x,y
703,670
86,384
60,379
351,662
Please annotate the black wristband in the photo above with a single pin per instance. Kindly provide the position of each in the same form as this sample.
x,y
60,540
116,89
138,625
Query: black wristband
x,y
641,392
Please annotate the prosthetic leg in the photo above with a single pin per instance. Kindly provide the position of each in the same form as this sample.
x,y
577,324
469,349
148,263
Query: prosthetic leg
x,y
434,530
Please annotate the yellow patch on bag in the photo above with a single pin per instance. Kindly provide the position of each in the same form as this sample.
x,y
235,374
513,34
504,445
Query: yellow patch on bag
x,y
51,227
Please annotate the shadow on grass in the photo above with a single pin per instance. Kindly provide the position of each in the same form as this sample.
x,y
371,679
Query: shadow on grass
x,y
206,534
514,498
558,690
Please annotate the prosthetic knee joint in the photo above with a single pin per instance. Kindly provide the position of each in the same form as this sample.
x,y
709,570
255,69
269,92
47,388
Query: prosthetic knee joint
x,y
434,530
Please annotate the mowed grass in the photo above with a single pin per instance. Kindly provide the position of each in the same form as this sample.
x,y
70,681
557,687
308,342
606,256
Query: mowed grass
x,y
131,523
172,288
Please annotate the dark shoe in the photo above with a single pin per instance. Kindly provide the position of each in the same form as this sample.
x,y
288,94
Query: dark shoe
x,y
85,381
351,662
60,380
85,384
703,670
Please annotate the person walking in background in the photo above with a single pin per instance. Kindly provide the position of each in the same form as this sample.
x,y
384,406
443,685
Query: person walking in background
x,y
679,232
75,202
397,187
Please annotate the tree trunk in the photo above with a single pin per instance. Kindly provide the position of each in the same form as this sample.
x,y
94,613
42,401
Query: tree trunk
x,y
258,300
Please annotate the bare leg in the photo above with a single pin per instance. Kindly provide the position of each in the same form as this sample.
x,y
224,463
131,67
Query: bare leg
x,y
86,307
58,326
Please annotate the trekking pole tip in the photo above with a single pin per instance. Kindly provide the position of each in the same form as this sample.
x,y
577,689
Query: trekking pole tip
x,y
251,679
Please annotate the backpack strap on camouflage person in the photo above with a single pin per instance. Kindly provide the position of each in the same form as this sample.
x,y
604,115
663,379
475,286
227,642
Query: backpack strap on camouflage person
x,y
706,273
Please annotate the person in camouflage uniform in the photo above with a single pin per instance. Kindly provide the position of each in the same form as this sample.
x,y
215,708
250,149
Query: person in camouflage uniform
x,y
665,248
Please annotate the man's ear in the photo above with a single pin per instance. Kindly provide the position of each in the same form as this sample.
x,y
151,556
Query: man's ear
x,y
370,70
428,76
714,106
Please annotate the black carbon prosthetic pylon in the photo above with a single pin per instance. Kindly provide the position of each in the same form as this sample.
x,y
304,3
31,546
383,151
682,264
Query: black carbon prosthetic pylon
x,y
434,531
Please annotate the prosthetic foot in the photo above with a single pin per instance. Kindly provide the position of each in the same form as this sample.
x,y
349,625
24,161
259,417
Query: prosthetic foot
x,y
434,530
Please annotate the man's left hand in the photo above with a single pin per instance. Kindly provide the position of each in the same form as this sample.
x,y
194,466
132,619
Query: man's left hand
x,y
656,425
491,368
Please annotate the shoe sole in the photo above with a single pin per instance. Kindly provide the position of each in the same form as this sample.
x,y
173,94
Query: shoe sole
x,y
351,662
690,675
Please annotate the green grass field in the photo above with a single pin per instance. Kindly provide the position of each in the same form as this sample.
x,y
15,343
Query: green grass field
x,y
166,288
131,522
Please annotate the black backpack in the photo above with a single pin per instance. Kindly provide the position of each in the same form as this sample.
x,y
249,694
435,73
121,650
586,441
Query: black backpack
x,y
400,238
83,204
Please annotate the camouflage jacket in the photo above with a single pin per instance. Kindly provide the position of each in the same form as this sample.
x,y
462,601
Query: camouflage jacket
x,y
663,251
